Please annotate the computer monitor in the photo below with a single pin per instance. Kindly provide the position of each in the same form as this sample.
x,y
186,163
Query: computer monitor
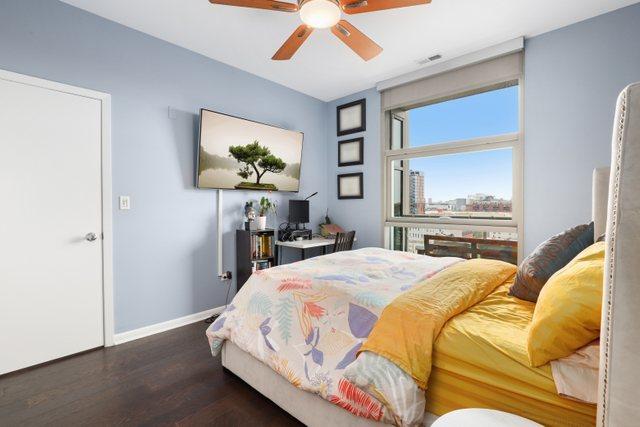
x,y
298,211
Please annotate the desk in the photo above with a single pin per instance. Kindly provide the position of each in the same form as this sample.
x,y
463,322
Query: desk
x,y
303,245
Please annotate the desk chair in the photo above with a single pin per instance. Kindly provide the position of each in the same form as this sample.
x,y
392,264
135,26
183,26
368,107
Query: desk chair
x,y
344,241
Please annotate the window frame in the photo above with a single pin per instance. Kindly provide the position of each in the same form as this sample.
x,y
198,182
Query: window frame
x,y
513,141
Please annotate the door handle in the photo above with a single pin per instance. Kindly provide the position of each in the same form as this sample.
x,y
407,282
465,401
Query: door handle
x,y
90,237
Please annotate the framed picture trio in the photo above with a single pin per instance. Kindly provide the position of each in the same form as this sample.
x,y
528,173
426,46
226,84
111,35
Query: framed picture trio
x,y
351,119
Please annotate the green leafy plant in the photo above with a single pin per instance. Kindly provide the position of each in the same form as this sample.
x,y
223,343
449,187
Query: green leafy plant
x,y
267,206
257,159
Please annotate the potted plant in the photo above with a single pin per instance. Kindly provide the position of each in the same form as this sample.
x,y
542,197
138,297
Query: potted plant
x,y
266,206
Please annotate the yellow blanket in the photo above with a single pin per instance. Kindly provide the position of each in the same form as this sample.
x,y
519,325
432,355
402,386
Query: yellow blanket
x,y
409,326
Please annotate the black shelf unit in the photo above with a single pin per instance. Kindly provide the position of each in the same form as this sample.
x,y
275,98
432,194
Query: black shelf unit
x,y
254,248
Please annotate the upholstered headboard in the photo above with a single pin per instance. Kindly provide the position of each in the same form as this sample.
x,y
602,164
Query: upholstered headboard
x,y
600,200
620,332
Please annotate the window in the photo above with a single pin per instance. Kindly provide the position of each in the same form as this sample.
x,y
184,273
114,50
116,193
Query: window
x,y
397,129
453,174
488,113
469,185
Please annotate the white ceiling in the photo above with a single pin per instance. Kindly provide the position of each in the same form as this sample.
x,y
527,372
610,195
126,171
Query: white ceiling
x,y
324,67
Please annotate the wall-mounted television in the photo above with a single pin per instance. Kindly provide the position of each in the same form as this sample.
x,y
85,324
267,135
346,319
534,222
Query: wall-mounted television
x,y
240,154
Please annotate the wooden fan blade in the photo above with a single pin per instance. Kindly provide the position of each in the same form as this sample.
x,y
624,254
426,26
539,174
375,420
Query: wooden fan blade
x,y
293,43
351,7
279,6
358,42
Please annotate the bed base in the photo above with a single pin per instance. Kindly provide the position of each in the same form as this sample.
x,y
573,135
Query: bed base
x,y
308,408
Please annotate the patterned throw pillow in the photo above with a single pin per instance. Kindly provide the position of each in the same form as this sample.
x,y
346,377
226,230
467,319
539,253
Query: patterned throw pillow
x,y
549,257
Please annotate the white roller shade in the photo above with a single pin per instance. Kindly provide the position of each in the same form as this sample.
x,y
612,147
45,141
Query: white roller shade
x,y
484,75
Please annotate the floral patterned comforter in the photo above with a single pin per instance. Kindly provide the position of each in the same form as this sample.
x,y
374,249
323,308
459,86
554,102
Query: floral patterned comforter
x,y
308,320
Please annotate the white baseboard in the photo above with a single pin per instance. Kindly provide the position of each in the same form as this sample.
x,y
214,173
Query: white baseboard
x,y
145,331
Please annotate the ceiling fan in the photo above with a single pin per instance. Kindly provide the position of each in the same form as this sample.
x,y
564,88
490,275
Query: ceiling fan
x,y
318,14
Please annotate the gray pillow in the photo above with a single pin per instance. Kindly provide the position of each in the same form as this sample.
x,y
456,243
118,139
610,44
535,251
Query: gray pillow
x,y
549,257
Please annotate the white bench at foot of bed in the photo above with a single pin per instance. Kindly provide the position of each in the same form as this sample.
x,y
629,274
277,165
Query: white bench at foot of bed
x,y
482,418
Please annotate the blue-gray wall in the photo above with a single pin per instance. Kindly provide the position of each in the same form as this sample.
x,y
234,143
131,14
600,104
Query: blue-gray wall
x,y
572,79
362,215
164,247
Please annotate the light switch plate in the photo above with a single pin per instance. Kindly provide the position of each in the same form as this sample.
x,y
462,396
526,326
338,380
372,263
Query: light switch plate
x,y
125,203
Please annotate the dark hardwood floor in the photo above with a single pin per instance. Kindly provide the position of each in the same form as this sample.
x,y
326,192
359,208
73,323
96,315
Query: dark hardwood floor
x,y
165,379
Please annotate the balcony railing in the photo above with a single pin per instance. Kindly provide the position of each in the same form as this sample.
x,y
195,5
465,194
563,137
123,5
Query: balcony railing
x,y
470,247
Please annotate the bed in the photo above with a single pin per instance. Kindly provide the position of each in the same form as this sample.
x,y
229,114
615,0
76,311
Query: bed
x,y
471,366
307,320
457,380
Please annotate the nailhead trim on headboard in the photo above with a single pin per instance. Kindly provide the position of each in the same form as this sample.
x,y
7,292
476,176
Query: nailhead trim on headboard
x,y
612,240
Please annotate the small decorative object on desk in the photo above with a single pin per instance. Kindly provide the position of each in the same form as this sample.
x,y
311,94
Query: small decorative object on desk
x,y
329,231
250,215
266,206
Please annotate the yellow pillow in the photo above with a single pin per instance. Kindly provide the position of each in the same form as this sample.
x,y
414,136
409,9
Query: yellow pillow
x,y
567,314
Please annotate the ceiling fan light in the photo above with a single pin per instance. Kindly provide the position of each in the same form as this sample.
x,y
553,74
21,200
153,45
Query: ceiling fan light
x,y
320,13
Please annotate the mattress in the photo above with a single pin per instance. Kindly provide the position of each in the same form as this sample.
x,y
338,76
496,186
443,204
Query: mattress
x,y
480,361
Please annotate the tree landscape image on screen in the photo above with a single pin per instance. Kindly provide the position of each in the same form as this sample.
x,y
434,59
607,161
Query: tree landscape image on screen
x,y
258,159
244,155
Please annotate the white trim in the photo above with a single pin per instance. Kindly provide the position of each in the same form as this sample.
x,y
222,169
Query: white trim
x,y
384,135
146,331
454,223
518,172
219,231
469,145
48,84
107,224
451,226
482,55
106,172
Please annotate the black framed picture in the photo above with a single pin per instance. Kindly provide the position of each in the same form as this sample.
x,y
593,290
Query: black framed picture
x,y
351,152
352,117
350,186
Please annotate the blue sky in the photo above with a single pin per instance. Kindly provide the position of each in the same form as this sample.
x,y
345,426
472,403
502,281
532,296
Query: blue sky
x,y
457,176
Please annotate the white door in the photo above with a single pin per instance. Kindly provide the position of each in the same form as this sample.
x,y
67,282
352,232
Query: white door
x,y
50,201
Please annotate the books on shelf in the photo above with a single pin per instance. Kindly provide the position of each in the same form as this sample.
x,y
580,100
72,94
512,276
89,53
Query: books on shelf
x,y
255,251
261,265
261,246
